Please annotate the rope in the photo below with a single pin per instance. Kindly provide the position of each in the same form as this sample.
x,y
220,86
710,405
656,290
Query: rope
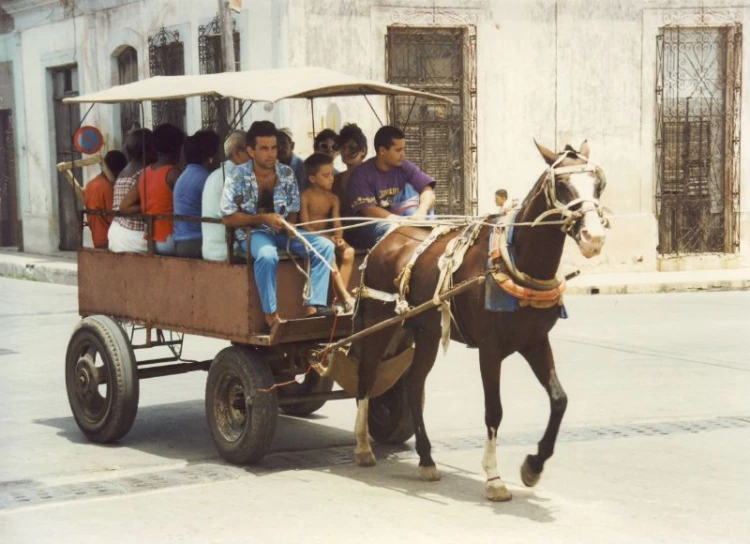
x,y
318,367
307,290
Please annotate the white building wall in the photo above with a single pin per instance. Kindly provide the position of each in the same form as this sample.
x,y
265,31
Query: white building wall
x,y
559,71
91,34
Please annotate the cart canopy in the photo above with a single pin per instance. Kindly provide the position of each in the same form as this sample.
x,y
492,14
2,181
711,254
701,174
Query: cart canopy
x,y
252,85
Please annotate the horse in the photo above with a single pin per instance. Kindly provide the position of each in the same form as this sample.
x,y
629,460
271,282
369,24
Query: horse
x,y
563,201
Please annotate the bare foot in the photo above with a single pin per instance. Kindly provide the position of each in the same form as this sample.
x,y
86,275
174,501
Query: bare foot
x,y
273,320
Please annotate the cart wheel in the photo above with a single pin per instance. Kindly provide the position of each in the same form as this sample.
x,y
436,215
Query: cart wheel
x,y
389,416
101,379
242,419
313,383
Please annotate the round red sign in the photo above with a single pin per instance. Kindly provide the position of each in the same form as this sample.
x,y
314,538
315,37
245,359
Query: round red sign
x,y
88,140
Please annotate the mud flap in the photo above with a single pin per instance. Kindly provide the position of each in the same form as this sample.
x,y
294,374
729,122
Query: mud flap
x,y
345,371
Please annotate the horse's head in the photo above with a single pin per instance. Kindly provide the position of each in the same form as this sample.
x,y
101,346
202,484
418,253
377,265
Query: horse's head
x,y
572,187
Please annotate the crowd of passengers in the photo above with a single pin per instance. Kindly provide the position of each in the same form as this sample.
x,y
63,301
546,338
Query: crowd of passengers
x,y
259,187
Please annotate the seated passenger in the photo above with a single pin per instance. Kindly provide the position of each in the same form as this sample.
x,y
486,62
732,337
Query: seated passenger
x,y
261,194
353,147
287,156
153,194
126,233
326,142
214,236
379,182
98,195
319,203
199,152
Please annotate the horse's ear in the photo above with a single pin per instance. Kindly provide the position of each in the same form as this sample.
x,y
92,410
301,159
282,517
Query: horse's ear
x,y
549,156
584,150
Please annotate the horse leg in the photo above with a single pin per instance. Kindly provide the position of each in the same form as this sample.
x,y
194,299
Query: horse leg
x,y
369,352
426,345
542,363
489,364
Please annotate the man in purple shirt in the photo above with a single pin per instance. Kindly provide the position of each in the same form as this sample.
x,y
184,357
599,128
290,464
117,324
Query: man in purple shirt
x,y
383,179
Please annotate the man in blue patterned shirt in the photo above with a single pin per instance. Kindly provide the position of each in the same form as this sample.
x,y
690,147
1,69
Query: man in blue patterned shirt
x,y
259,194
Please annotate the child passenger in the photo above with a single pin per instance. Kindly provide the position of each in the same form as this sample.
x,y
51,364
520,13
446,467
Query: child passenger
x,y
318,203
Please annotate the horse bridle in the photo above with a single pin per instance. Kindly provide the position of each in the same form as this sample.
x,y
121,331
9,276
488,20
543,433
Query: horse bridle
x,y
570,217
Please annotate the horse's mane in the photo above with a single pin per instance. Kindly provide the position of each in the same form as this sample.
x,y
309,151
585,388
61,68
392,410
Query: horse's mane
x,y
535,190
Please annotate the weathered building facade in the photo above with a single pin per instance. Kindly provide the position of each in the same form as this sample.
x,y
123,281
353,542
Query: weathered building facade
x,y
658,87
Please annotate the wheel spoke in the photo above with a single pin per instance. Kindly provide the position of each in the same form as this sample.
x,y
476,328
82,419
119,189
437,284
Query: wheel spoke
x,y
90,354
100,375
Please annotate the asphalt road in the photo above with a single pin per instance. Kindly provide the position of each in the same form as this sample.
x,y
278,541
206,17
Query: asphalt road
x,y
654,445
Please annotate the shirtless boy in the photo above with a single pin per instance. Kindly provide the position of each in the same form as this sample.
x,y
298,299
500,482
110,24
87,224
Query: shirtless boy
x,y
318,203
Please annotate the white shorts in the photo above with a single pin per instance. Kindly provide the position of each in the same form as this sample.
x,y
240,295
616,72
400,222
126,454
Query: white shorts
x,y
122,239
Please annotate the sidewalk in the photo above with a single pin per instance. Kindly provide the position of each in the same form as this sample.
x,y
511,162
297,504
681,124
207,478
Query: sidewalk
x,y
62,268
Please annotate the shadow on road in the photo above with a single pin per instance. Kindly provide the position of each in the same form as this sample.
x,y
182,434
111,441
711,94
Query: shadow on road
x,y
456,485
180,431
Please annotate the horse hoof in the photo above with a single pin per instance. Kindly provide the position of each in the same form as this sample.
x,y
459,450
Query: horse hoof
x,y
528,476
365,458
496,491
429,474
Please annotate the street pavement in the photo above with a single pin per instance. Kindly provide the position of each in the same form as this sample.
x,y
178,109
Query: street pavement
x,y
653,446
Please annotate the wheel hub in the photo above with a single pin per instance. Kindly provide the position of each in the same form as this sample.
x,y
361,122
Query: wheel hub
x,y
85,376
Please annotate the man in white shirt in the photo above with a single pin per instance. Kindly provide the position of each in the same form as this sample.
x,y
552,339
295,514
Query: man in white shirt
x,y
214,246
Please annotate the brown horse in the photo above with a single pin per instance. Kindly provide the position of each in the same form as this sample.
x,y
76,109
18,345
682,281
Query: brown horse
x,y
565,200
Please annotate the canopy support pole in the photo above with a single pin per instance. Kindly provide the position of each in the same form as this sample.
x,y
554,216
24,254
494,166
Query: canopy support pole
x,y
239,116
312,115
373,109
91,107
406,124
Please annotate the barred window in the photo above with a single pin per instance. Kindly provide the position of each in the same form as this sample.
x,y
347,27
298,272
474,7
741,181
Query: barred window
x,y
212,62
127,72
167,58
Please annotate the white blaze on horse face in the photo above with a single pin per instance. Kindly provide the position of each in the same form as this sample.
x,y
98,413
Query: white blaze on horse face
x,y
592,234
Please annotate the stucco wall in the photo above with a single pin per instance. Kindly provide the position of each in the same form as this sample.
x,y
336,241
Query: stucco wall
x,y
560,71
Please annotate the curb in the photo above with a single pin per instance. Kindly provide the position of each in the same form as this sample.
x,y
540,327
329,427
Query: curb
x,y
38,271
680,286
39,268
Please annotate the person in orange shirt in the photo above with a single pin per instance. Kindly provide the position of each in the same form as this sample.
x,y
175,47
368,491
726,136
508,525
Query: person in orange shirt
x,y
98,195
152,195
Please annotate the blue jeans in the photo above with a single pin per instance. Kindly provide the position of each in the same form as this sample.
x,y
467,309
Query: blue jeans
x,y
264,250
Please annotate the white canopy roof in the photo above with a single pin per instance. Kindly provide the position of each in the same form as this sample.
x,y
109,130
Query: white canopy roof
x,y
254,85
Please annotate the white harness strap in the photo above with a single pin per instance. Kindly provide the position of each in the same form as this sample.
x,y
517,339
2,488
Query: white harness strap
x,y
449,262
404,277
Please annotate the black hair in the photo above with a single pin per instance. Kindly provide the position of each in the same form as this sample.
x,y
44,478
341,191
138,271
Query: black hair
x,y
281,134
115,161
139,144
191,151
325,134
168,139
501,192
351,131
315,161
385,135
201,146
260,129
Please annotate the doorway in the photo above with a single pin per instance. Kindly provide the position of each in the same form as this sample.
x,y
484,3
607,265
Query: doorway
x,y
67,118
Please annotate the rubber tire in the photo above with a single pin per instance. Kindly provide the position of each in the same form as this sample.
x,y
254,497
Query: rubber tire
x,y
389,416
246,371
313,383
116,353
